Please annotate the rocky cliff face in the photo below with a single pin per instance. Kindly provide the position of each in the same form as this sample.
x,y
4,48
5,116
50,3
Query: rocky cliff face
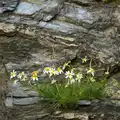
x,y
39,33
34,34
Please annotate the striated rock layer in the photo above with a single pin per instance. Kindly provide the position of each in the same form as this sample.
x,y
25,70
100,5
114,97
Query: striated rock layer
x,y
41,33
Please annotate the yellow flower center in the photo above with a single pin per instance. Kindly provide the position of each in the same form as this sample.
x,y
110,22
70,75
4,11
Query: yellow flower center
x,y
34,74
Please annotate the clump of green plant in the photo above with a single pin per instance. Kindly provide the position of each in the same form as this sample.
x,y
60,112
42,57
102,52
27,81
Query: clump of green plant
x,y
70,96
74,87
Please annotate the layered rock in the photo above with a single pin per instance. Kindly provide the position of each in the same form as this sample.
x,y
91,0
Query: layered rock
x,y
8,5
43,33
39,33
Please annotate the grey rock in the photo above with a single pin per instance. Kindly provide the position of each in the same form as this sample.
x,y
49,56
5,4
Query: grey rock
x,y
13,19
115,77
116,102
34,117
59,27
25,101
14,66
9,28
9,102
38,2
116,97
8,5
117,15
109,102
17,93
73,115
52,9
69,116
16,85
49,10
78,14
20,93
32,93
26,8
82,116
84,103
44,10
57,112
81,2
75,32
72,32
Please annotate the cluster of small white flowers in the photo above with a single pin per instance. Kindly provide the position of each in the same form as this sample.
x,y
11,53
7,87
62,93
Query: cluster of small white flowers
x,y
52,71
17,77
69,75
72,77
21,76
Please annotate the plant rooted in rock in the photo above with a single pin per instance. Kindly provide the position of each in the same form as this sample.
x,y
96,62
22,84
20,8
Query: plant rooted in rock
x,y
74,87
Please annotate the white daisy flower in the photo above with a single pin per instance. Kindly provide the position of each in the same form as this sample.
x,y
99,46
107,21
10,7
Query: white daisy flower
x,y
24,77
20,75
34,76
52,72
79,77
91,71
84,60
58,71
46,70
69,74
13,74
